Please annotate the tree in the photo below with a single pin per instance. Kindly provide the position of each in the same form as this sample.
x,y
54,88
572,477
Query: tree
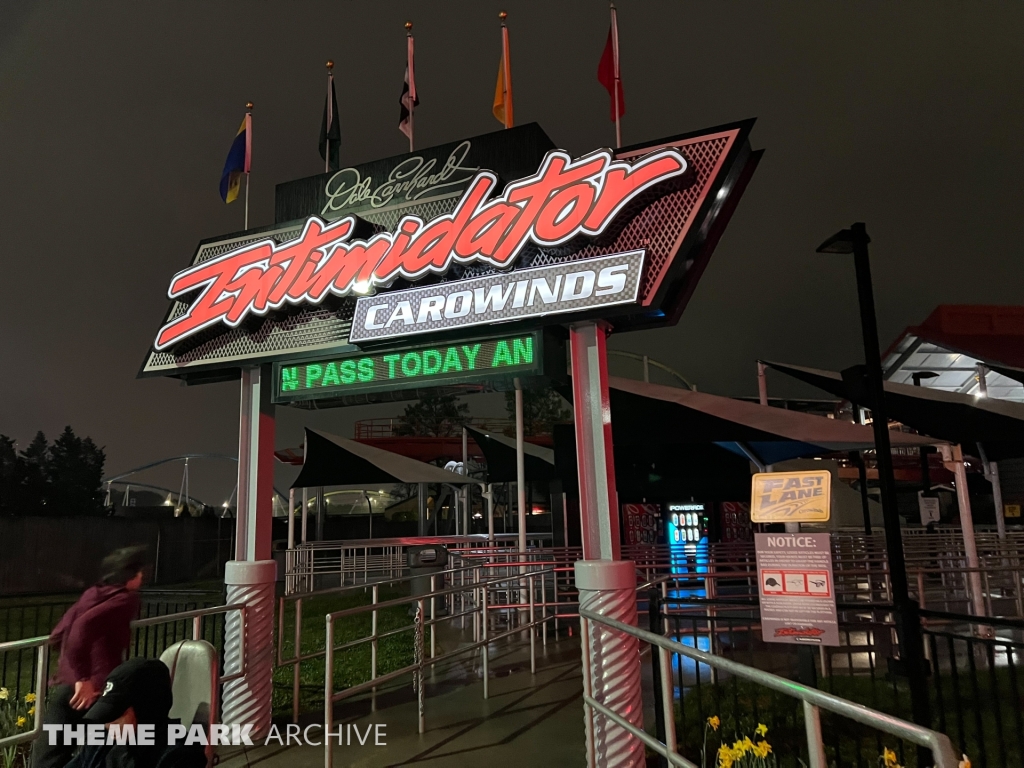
x,y
75,473
441,416
542,408
34,466
60,479
11,477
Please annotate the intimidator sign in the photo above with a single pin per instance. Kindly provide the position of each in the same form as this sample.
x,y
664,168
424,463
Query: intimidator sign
x,y
500,228
426,366
566,198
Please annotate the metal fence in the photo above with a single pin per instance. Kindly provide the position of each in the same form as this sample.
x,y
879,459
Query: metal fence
x,y
744,698
33,657
977,685
975,680
21,621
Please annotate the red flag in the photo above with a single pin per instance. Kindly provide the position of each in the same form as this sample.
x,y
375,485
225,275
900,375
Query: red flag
x,y
608,74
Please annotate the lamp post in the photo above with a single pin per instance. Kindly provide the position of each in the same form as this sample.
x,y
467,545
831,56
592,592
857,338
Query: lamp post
x,y
907,619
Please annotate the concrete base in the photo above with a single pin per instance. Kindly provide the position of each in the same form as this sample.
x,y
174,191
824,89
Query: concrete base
x,y
248,699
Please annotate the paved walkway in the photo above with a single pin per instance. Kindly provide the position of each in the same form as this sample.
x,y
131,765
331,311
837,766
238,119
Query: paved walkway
x,y
530,720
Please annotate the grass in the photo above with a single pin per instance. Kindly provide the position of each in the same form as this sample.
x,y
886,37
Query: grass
x,y
351,666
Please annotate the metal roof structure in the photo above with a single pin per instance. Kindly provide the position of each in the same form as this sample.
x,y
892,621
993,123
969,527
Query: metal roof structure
x,y
951,344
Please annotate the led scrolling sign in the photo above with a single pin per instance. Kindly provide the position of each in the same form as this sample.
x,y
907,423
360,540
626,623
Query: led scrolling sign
x,y
434,365
563,200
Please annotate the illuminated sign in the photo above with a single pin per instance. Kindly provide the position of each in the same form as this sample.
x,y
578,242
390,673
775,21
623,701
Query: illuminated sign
x,y
791,497
411,179
563,200
458,362
524,293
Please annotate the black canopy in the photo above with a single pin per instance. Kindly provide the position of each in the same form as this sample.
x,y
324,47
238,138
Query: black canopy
x,y
500,452
332,461
654,414
997,424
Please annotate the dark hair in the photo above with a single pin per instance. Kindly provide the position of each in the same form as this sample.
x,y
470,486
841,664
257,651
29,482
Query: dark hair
x,y
121,565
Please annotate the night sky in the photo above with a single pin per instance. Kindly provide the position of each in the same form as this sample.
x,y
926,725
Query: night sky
x,y
115,119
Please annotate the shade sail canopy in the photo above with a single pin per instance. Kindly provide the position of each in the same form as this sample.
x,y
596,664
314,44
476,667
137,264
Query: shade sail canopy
x,y
500,452
649,414
997,424
332,461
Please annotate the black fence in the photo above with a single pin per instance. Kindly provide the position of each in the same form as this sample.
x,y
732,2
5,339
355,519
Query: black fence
x,y
25,620
974,683
977,685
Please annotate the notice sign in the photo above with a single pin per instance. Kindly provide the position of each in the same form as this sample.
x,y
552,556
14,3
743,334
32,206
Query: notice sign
x,y
791,497
798,601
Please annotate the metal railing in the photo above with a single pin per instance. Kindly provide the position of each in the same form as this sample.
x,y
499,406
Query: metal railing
x,y
42,648
977,683
812,702
392,427
308,565
514,604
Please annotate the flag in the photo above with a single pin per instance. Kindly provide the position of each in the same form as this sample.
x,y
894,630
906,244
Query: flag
x,y
238,162
608,72
330,129
502,108
409,99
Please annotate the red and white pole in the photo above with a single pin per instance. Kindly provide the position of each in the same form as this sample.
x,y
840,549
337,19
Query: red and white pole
x,y
251,576
606,584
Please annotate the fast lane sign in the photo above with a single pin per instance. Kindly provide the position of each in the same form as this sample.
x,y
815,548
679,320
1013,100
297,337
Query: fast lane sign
x,y
791,497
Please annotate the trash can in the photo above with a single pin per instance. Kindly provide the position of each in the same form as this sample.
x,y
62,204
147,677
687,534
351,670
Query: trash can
x,y
424,561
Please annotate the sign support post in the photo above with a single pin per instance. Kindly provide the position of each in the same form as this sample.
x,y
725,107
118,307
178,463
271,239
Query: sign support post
x,y
607,585
251,576
520,468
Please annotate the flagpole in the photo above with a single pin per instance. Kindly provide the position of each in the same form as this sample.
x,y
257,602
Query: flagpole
x,y
615,65
412,82
507,67
248,155
330,115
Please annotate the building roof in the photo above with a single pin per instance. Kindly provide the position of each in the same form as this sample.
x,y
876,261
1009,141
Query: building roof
x,y
958,418
953,340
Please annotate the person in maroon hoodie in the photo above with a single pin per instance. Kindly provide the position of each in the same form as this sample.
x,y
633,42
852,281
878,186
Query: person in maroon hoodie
x,y
94,636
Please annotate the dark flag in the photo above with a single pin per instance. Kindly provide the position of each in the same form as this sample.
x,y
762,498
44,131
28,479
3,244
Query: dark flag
x,y
330,129
408,101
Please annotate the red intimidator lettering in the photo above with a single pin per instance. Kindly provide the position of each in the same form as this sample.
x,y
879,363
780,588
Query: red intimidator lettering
x,y
565,198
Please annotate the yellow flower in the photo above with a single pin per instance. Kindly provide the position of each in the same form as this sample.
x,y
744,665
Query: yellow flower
x,y
31,711
725,757
4,694
889,758
20,722
762,749
965,763
714,722
30,698
761,729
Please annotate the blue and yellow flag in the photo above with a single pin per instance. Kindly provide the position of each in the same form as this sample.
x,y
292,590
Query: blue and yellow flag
x,y
239,158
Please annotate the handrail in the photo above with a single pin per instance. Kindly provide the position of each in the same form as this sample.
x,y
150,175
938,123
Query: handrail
x,y
482,639
814,699
42,645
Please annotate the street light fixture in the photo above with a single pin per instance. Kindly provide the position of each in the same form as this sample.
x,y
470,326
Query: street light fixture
x,y
907,619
